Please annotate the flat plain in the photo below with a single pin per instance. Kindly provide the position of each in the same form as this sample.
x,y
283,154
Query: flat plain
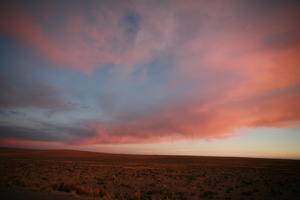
x,y
69,174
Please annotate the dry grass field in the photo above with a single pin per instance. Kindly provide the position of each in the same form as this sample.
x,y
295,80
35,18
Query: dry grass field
x,y
89,175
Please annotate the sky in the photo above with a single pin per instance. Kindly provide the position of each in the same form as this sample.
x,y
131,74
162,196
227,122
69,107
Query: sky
x,y
194,77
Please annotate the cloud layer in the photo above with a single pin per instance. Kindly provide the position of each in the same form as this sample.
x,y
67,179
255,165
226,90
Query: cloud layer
x,y
151,71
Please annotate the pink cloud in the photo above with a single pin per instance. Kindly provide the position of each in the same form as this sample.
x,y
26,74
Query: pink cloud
x,y
262,87
83,46
205,120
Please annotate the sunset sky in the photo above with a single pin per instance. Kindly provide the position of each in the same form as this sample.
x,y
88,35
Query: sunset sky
x,y
218,78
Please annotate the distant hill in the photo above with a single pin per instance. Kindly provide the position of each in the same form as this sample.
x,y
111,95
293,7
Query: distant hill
x,y
51,153
75,155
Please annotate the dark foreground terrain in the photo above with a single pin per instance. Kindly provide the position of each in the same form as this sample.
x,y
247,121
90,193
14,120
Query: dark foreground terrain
x,y
65,174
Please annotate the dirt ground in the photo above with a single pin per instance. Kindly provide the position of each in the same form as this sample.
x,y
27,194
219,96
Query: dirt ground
x,y
89,175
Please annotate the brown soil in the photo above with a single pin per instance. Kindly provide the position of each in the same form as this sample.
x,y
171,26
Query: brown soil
x,y
90,175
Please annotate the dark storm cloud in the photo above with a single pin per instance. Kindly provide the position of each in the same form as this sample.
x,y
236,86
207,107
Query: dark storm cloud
x,y
46,132
11,112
